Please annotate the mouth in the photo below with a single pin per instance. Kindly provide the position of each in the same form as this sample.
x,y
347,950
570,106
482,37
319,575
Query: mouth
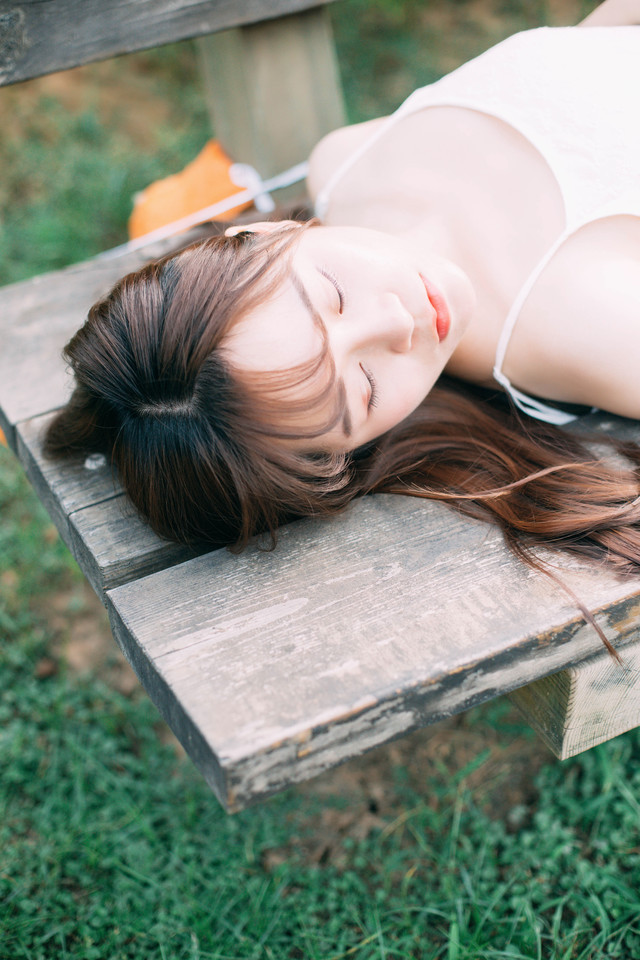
x,y
439,304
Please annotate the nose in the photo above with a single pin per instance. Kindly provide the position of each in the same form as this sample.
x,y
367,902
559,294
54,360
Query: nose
x,y
384,323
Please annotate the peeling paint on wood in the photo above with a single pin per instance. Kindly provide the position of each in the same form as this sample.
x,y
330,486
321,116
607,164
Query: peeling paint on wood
x,y
363,659
14,43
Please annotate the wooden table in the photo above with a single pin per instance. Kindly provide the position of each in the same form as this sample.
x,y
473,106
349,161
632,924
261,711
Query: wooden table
x,y
271,667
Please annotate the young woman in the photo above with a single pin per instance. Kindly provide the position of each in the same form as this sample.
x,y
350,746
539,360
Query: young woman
x,y
489,230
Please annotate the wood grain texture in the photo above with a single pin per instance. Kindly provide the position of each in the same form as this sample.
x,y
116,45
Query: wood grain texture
x,y
37,318
352,632
113,545
254,71
590,703
100,527
39,37
63,486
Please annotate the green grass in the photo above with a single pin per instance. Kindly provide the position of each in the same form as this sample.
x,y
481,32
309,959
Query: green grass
x,y
469,843
112,847
69,175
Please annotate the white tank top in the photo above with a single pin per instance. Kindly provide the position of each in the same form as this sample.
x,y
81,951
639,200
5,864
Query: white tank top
x,y
574,93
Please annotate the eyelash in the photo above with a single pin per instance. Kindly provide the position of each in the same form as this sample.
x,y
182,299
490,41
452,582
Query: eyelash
x,y
373,398
333,279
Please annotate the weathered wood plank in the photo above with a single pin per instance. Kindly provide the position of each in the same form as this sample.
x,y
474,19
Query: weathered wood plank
x,y
63,486
113,545
352,632
38,316
38,38
587,704
253,71
100,527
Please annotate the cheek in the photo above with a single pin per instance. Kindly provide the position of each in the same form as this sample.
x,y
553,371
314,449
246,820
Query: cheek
x,y
404,393
412,384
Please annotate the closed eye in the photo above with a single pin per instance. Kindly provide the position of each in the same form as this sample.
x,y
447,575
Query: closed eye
x,y
334,281
373,393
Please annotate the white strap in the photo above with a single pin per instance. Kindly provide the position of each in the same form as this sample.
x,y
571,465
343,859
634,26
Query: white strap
x,y
256,189
244,175
322,199
516,306
531,406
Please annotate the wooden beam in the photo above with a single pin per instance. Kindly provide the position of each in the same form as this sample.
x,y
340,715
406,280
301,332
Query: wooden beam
x,y
585,705
273,90
39,37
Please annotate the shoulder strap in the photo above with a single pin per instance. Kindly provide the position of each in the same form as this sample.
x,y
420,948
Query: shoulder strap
x,y
322,199
531,406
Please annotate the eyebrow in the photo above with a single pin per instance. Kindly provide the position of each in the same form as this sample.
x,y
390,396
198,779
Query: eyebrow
x,y
347,423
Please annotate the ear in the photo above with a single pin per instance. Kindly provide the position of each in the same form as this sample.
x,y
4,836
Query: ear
x,y
262,226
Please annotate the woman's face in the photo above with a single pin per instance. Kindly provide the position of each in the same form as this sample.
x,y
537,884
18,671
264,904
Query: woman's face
x,y
392,317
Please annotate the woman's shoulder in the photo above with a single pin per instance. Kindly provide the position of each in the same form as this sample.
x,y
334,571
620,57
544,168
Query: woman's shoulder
x,y
335,149
578,334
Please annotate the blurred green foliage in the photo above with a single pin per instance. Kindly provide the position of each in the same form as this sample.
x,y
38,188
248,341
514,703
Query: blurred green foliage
x,y
69,175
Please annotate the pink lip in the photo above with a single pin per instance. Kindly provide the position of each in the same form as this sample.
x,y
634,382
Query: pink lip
x,y
439,304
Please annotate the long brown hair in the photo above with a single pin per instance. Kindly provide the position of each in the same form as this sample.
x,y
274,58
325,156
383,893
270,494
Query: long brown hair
x,y
199,454
190,442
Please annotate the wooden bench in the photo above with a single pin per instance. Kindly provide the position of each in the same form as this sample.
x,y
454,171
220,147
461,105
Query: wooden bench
x,y
271,667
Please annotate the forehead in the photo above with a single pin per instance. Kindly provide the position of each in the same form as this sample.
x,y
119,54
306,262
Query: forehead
x,y
279,349
276,335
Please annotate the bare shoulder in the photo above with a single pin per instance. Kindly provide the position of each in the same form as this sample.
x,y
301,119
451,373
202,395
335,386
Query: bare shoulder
x,y
332,151
578,336
609,300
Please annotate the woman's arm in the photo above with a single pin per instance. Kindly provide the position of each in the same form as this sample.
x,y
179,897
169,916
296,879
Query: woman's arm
x,y
614,13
